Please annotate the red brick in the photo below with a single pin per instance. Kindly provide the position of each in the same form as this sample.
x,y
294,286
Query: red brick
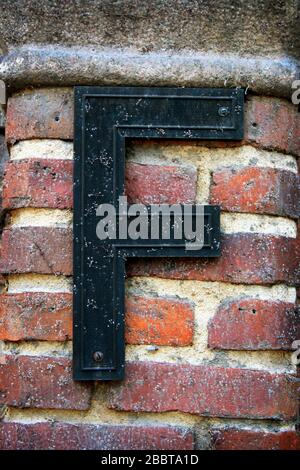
x,y
40,114
65,436
155,184
244,439
36,315
36,249
38,183
48,113
260,190
159,321
273,124
245,258
254,324
204,390
48,316
41,382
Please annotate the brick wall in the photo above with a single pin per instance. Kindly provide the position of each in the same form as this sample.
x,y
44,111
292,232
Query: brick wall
x,y
208,342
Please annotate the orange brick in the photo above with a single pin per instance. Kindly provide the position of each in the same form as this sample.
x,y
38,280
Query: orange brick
x,y
159,321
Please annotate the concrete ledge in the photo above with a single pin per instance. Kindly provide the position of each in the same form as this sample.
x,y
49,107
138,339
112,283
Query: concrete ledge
x,y
68,66
247,28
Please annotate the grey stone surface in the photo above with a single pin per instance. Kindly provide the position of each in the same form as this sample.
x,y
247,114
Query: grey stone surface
x,y
3,153
254,43
2,116
253,27
52,66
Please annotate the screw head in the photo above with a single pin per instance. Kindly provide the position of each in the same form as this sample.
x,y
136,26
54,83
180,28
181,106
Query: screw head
x,y
223,111
98,356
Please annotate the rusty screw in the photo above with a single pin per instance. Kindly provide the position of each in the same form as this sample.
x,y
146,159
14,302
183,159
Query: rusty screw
x,y
98,356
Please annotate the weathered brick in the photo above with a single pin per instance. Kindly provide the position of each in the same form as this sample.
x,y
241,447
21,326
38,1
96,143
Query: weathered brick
x,y
38,183
40,114
204,390
254,324
155,184
245,439
159,321
273,124
41,382
66,436
245,258
48,316
36,315
260,190
48,113
36,249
